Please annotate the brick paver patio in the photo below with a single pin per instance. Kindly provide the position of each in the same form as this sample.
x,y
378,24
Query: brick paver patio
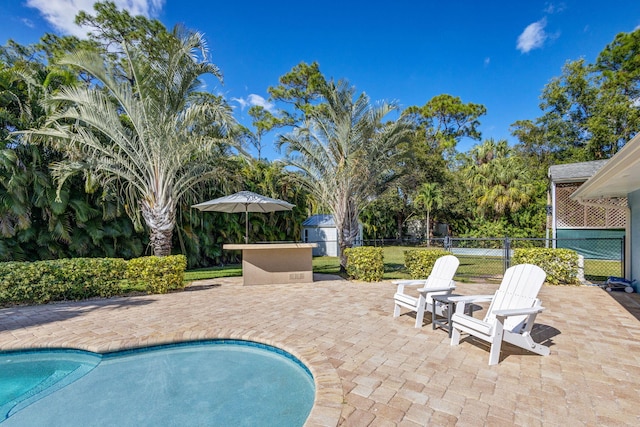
x,y
373,370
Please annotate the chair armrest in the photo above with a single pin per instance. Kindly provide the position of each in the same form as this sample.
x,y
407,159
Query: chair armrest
x,y
518,311
409,282
464,300
434,289
471,298
402,283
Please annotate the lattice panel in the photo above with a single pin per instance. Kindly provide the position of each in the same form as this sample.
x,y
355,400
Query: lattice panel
x,y
617,217
570,213
595,217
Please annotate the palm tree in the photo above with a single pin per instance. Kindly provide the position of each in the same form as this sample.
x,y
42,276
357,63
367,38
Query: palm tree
x,y
429,197
483,154
143,129
499,181
506,187
344,152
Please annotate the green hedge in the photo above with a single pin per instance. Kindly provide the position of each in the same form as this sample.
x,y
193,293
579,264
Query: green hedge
x,y
57,280
419,262
80,278
365,263
561,265
158,275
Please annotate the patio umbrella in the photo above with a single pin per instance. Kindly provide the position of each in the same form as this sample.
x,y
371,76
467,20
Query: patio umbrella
x,y
244,201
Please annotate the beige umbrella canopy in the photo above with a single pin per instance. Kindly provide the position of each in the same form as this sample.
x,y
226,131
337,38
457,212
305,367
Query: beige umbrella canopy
x,y
244,201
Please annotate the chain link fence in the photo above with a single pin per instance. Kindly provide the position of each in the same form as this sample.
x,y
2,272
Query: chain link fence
x,y
488,258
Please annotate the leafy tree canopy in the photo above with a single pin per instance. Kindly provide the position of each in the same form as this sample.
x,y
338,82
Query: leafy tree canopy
x,y
446,119
302,87
591,110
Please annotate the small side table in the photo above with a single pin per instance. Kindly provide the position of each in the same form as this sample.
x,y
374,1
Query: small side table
x,y
445,299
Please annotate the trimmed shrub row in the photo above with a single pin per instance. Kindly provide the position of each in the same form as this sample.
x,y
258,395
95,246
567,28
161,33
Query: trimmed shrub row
x,y
158,274
365,263
420,262
561,265
80,278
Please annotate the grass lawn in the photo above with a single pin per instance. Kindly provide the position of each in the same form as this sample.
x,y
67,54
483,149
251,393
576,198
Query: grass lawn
x,y
471,267
598,270
324,265
213,273
393,267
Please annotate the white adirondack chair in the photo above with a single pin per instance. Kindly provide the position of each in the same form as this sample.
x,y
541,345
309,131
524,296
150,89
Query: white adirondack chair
x,y
510,316
439,282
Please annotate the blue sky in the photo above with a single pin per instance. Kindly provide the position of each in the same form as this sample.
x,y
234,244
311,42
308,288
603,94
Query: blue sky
x,y
496,53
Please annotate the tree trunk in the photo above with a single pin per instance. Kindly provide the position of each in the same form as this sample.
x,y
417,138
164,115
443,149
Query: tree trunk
x,y
348,228
160,241
428,229
161,220
343,258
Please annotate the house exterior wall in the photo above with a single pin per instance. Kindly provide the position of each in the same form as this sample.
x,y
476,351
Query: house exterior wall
x,y
634,232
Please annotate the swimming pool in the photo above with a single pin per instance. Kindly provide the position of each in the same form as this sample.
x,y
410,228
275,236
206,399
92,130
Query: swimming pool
x,y
205,383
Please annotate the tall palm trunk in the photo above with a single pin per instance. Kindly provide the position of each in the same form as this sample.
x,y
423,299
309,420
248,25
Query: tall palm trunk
x,y
348,228
161,219
428,228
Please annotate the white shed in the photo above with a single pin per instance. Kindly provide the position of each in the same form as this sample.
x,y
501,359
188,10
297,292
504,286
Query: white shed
x,y
321,229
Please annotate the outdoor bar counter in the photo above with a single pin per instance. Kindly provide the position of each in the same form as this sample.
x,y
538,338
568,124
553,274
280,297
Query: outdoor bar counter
x,y
271,263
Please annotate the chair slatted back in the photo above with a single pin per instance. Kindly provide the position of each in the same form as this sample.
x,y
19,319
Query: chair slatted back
x,y
519,289
443,271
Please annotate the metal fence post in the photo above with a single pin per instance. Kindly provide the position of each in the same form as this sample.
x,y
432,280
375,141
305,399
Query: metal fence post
x,y
622,256
507,253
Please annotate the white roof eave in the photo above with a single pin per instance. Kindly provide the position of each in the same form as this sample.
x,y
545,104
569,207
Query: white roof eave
x,y
620,176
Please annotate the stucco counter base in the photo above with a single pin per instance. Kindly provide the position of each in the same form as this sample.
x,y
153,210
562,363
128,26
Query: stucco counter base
x,y
275,263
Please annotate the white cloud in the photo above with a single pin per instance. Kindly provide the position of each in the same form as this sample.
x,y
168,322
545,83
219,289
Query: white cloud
x,y
487,61
533,37
62,13
254,99
243,103
29,23
552,8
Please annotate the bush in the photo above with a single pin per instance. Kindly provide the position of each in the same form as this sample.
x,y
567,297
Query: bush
x,y
365,263
561,265
158,275
40,282
24,282
92,277
420,262
57,280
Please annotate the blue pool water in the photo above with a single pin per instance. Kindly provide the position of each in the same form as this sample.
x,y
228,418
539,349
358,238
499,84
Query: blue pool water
x,y
211,383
